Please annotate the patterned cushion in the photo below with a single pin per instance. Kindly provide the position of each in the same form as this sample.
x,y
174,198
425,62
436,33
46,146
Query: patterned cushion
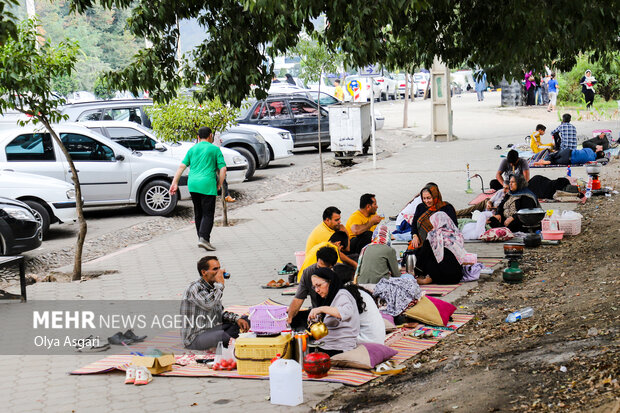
x,y
431,311
497,234
365,356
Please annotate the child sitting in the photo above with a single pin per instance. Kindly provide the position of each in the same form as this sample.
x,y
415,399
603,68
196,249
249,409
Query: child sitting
x,y
535,142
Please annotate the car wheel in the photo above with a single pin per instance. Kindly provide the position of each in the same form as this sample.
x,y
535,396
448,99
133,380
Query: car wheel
x,y
248,157
42,217
155,198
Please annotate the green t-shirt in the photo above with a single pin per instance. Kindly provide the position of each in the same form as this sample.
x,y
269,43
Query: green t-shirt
x,y
204,160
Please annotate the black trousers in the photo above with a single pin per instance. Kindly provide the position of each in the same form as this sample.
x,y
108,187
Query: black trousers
x,y
204,212
588,95
359,242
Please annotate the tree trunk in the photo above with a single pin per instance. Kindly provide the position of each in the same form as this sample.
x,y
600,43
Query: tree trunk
x,y
224,209
412,86
77,263
318,102
406,110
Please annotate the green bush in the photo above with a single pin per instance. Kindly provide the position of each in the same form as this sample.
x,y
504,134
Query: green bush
x,y
608,86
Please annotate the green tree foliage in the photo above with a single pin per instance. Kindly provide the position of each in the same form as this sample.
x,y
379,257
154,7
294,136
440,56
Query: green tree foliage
x,y
502,37
26,70
7,20
105,41
102,89
608,77
316,58
180,119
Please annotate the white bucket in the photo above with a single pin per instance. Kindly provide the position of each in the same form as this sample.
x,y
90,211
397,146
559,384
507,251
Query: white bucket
x,y
300,257
285,383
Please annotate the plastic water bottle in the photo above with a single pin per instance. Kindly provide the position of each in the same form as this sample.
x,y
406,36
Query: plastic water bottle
x,y
589,188
518,315
568,172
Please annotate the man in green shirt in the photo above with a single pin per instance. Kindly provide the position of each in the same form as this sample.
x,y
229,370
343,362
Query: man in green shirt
x,y
207,171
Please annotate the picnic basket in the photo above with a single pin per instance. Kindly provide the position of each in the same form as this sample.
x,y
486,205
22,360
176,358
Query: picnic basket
x,y
268,319
254,354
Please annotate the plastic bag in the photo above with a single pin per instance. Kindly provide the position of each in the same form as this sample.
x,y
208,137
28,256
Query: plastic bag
x,y
475,230
571,215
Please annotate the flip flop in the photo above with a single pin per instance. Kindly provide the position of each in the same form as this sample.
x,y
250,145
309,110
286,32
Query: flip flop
x,y
388,368
498,147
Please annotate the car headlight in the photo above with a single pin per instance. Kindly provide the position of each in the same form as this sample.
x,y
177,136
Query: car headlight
x,y
259,138
19,213
71,194
285,135
238,160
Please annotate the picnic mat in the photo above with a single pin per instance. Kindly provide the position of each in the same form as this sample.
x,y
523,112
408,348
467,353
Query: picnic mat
x,y
400,340
481,197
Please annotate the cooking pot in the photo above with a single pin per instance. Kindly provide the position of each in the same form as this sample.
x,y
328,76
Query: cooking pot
x,y
593,168
513,250
318,330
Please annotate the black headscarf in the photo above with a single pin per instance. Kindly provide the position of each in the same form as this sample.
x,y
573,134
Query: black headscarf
x,y
334,286
544,188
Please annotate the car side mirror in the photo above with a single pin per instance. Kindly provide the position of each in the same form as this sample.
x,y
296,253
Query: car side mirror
x,y
119,157
160,147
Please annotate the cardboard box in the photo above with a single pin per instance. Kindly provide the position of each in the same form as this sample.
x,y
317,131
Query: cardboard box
x,y
156,365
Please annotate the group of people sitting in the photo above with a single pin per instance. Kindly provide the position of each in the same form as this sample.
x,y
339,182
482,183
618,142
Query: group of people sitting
x,y
563,150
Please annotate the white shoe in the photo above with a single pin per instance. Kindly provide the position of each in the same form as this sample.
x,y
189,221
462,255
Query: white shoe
x,y
143,376
130,375
202,243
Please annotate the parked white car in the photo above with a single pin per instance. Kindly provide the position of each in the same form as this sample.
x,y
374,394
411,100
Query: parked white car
x,y
109,173
402,84
389,86
357,88
422,81
52,200
140,138
279,141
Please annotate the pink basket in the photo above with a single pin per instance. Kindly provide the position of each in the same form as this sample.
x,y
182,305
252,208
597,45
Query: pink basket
x,y
268,319
571,226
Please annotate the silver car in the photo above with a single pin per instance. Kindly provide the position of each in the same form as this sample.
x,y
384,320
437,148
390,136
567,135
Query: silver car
x,y
109,173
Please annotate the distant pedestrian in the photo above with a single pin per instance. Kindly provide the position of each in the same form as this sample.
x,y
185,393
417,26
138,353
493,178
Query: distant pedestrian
x,y
587,88
481,84
289,79
530,87
207,172
553,92
338,92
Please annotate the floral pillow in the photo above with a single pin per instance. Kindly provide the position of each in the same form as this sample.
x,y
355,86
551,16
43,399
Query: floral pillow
x,y
497,234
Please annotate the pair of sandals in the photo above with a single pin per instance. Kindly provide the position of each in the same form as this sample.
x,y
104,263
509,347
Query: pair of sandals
x,y
277,284
389,368
93,348
126,338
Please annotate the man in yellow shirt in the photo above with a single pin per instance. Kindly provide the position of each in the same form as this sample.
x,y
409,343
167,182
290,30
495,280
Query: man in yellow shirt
x,y
339,242
535,144
323,231
338,92
362,223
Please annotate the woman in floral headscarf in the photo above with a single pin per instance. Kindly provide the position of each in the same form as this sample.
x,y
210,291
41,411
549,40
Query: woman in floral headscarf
x,y
377,260
431,203
441,257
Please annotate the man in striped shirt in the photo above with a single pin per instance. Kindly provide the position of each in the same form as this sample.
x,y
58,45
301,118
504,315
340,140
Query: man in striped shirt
x,y
205,321
568,133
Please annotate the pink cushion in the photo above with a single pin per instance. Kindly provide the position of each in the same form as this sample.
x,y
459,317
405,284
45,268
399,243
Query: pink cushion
x,y
445,309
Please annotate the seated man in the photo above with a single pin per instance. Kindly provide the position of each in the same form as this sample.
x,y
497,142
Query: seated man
x,y
207,323
362,223
571,157
567,133
322,232
339,243
326,257
511,165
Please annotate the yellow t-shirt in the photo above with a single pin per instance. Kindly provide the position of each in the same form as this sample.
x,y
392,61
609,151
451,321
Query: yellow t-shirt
x,y
311,256
339,93
357,218
321,233
535,143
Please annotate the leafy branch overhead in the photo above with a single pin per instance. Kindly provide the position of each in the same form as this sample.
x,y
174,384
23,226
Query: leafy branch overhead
x,y
243,37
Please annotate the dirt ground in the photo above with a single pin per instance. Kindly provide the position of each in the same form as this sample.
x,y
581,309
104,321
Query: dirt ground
x,y
564,358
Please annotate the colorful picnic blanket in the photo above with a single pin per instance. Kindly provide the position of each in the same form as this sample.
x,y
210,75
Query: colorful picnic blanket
x,y
400,340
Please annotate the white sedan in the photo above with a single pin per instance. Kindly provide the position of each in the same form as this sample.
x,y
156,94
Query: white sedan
x,y
139,138
279,141
52,200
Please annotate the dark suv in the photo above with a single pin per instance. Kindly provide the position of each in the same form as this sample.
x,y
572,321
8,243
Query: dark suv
x,y
296,114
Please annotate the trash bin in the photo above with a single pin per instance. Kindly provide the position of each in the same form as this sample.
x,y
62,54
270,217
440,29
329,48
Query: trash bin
x,y
349,128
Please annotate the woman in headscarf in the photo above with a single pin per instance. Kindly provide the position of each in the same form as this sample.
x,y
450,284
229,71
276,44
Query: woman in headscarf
x,y
341,307
545,188
518,197
530,87
440,259
431,203
377,260
587,87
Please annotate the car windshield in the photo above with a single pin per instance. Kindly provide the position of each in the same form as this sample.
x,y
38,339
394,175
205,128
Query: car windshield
x,y
246,105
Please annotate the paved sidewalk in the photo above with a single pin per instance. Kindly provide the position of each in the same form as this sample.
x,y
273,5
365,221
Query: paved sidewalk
x,y
263,239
